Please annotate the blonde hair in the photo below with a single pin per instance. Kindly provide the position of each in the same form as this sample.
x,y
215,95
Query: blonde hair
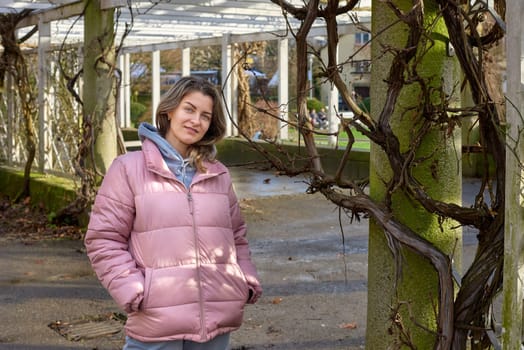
x,y
205,148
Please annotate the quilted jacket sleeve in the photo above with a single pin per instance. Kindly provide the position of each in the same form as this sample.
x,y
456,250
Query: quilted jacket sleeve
x,y
107,239
242,248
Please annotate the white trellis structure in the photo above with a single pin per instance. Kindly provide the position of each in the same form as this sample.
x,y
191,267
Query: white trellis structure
x,y
166,25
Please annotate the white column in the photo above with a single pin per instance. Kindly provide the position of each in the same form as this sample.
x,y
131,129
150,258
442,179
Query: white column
x,y
45,151
124,94
334,122
512,318
332,112
186,61
155,82
121,106
126,84
227,64
310,75
234,96
283,87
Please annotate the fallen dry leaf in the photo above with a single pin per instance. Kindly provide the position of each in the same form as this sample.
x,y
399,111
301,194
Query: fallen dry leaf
x,y
348,325
276,300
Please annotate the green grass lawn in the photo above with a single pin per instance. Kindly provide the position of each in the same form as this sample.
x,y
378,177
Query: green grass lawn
x,y
361,141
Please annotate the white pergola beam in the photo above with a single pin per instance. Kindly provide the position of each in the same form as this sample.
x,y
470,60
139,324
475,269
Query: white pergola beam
x,y
173,45
108,4
236,38
173,21
219,7
53,14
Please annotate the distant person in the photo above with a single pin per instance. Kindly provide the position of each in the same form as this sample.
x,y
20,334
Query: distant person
x,y
313,117
322,119
318,119
257,135
166,236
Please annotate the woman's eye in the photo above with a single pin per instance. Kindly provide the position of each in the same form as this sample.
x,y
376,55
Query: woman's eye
x,y
206,117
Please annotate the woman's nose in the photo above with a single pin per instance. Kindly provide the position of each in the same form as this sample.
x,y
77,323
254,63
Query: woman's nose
x,y
195,118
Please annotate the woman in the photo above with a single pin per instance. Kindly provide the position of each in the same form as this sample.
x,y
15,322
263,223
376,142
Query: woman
x,y
166,237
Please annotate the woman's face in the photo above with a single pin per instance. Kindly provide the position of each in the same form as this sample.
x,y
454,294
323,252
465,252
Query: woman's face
x,y
189,121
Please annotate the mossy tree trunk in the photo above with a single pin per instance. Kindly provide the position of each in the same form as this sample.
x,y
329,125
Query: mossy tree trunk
x,y
99,85
247,123
244,107
403,287
513,303
99,144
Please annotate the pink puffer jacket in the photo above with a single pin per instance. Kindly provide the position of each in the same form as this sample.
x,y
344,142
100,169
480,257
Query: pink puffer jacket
x,y
176,260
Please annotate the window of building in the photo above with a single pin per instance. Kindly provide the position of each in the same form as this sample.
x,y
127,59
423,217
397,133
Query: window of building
x,y
362,38
361,66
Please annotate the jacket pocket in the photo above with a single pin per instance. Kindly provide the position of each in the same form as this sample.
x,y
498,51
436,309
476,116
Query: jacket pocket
x,y
170,286
147,283
244,278
224,282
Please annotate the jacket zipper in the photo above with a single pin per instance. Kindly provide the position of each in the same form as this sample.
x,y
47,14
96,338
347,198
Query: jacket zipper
x,y
203,332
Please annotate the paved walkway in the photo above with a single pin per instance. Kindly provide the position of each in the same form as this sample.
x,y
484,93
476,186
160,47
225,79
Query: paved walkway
x,y
47,282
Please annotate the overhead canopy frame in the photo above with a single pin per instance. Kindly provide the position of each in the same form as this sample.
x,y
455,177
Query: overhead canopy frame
x,y
152,22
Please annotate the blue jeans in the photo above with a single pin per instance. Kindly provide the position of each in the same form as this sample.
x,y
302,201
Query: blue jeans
x,y
220,342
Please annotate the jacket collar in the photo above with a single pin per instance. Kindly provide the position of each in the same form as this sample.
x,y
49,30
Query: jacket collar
x,y
155,163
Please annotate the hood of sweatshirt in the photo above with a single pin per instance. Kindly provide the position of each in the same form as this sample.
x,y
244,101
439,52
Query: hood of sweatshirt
x,y
180,167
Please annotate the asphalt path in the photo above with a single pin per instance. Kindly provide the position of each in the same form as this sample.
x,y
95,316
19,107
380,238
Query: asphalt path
x,y
51,284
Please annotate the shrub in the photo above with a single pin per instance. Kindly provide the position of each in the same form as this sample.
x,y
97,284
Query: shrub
x,y
365,105
313,103
137,109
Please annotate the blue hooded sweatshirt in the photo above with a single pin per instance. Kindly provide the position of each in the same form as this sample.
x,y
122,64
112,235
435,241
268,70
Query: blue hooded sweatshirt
x,y
179,166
